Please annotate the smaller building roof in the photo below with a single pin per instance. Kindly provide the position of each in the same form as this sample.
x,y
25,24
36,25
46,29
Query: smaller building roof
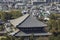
x,y
16,31
19,20
3,32
35,34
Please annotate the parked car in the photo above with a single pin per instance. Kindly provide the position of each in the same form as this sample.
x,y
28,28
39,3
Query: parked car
x,y
1,22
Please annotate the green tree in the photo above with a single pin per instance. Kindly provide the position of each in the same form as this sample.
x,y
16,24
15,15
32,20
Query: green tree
x,y
54,23
10,15
54,26
21,38
31,37
3,16
1,27
16,14
51,38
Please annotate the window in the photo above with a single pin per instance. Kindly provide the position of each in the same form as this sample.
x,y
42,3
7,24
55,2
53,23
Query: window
x,y
33,30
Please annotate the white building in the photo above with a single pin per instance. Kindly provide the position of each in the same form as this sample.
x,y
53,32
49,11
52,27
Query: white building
x,y
10,4
19,5
0,7
37,1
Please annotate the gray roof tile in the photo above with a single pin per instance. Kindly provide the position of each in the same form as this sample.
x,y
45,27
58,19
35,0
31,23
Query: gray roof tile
x,y
32,22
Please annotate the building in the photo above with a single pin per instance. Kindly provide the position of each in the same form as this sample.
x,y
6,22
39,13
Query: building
x,y
19,5
6,4
10,4
52,1
37,2
30,25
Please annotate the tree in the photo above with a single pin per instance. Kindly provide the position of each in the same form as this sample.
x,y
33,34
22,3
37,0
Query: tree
x,y
31,37
3,15
40,38
21,38
54,26
10,15
16,14
53,23
51,38
1,27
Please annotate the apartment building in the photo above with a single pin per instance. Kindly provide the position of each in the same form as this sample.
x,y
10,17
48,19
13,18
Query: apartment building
x,y
6,4
36,2
9,4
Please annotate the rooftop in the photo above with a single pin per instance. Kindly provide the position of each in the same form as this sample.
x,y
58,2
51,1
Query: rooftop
x,y
32,22
19,20
35,34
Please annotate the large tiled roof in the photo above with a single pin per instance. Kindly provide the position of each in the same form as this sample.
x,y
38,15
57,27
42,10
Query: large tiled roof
x,y
32,22
27,21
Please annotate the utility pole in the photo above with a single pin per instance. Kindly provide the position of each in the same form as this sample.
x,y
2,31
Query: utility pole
x,y
51,2
55,1
59,1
